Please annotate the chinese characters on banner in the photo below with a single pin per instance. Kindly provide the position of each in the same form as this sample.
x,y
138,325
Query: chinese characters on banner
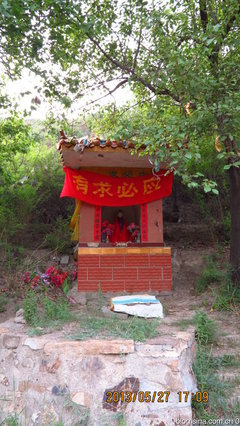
x,y
102,190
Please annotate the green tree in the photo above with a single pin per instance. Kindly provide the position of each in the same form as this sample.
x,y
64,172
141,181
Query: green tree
x,y
14,138
182,57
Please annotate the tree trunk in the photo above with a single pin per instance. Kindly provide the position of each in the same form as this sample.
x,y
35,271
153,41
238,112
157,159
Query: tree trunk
x,y
234,175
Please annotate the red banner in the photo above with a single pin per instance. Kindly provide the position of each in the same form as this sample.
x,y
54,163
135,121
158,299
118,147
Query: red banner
x,y
102,190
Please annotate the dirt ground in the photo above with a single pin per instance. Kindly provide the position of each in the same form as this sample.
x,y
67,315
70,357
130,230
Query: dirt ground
x,y
187,264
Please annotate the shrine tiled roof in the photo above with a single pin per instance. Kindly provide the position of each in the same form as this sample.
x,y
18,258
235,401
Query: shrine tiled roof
x,y
98,152
81,144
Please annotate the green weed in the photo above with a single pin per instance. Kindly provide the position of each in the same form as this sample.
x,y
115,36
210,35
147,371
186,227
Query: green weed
x,y
66,286
237,380
54,423
183,324
206,371
100,299
50,419
3,302
205,328
235,410
227,298
210,274
226,360
49,313
165,308
52,316
204,303
81,412
11,420
205,368
116,419
30,307
36,331
120,419
59,310
50,307
135,328
208,380
192,307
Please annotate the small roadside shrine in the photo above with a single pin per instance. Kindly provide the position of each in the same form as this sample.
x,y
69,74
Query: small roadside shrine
x,y
118,219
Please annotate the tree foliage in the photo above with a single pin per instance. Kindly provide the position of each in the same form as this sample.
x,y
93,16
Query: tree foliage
x,y
31,181
14,138
180,57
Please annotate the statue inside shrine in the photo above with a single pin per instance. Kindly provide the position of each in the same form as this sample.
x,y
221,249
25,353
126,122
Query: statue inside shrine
x,y
120,230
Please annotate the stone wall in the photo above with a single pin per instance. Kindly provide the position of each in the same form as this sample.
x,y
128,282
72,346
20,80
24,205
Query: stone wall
x,y
47,379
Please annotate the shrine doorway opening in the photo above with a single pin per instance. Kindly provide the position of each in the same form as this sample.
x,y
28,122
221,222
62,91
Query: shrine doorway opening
x,y
130,214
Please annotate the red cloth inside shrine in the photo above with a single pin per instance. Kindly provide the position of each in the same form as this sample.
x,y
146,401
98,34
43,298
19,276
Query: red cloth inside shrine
x,y
120,233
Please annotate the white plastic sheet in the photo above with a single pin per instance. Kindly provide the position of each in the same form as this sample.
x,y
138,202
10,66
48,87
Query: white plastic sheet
x,y
142,305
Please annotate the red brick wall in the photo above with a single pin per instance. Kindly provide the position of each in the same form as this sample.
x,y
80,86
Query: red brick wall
x,y
125,272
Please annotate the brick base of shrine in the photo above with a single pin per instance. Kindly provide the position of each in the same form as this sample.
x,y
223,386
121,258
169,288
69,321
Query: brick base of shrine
x,y
130,269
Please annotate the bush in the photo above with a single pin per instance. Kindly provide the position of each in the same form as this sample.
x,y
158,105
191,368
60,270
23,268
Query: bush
x,y
29,192
60,237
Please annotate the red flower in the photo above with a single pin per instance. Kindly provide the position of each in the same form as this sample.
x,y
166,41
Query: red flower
x,y
56,281
53,276
26,277
105,223
74,275
57,277
135,233
133,227
50,270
